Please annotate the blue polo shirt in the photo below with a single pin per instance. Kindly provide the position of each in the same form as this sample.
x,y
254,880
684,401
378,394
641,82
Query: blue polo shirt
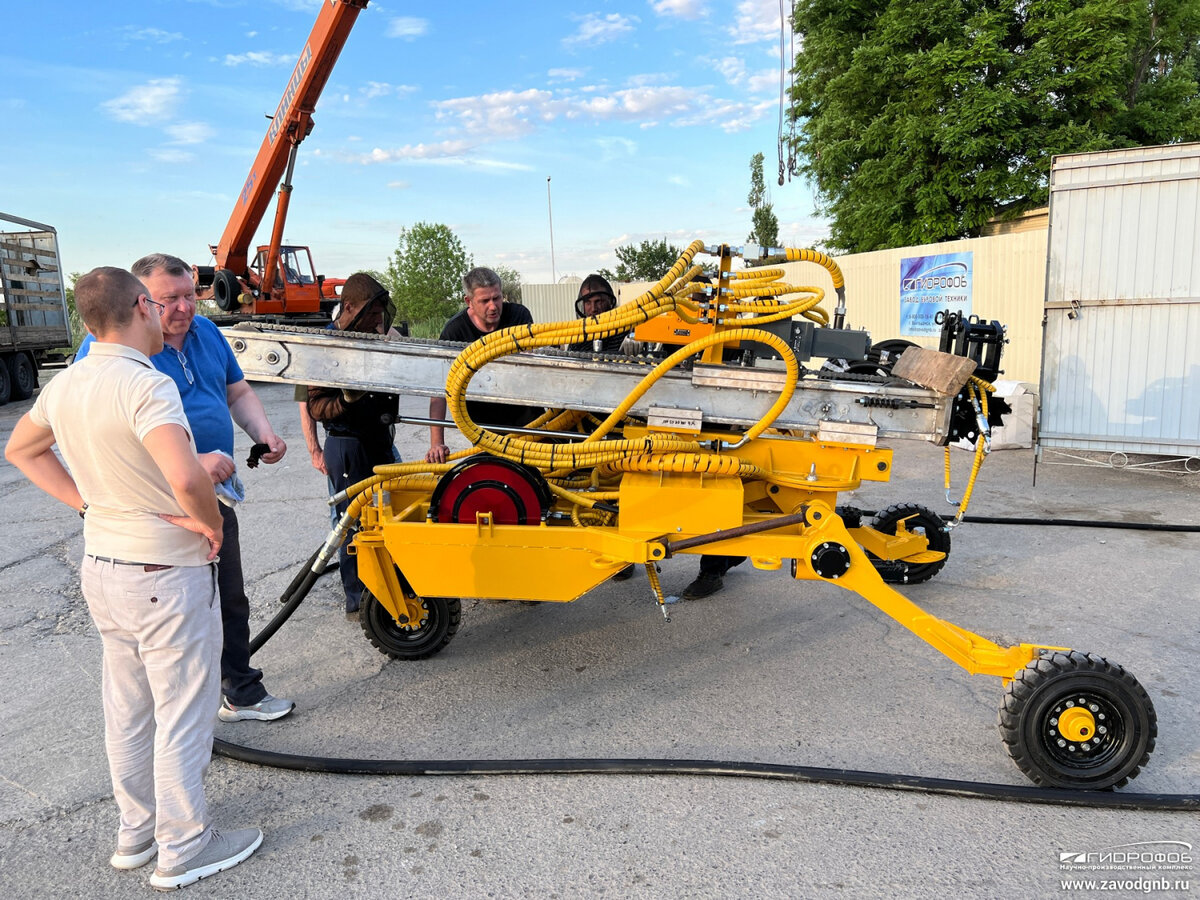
x,y
202,371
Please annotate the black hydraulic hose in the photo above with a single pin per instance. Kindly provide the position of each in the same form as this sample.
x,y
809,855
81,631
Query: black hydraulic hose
x,y
293,596
1067,523
295,593
703,767
1081,523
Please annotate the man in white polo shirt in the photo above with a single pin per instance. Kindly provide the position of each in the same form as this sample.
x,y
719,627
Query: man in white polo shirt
x,y
151,532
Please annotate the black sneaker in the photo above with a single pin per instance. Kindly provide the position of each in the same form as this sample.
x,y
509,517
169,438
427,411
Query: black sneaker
x,y
625,574
705,585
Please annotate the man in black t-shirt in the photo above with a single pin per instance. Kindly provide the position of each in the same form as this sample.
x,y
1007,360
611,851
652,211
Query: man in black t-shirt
x,y
486,312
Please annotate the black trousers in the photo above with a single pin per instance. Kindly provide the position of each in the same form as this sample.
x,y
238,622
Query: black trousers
x,y
349,462
240,681
719,565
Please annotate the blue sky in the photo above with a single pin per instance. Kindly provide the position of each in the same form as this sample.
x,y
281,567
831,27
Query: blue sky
x,y
131,126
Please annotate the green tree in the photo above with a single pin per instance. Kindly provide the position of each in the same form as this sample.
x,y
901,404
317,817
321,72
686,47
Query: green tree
x,y
647,261
78,330
424,274
511,281
765,230
921,121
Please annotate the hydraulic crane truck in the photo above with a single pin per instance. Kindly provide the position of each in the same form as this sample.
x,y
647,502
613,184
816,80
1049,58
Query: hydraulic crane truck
x,y
281,279
639,459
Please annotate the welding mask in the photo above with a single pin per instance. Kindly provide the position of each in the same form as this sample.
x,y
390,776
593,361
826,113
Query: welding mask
x,y
600,301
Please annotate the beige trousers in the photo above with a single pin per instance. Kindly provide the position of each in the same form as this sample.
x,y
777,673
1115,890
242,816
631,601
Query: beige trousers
x,y
161,633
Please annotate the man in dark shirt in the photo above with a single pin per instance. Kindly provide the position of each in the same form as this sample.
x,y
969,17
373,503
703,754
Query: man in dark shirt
x,y
486,312
596,296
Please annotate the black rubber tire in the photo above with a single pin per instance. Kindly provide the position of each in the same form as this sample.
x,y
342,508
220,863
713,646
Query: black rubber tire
x,y
23,376
5,382
226,290
1127,725
923,520
445,614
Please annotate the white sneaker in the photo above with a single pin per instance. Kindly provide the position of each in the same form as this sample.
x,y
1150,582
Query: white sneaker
x,y
265,710
134,857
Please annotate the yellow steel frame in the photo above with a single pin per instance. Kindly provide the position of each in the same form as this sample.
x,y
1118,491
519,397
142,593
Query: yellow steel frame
x,y
556,560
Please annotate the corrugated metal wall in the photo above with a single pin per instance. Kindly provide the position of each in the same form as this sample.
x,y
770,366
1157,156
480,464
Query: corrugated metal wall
x,y
1122,368
550,302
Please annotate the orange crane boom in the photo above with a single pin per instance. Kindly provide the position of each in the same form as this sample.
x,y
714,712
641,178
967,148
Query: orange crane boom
x,y
235,283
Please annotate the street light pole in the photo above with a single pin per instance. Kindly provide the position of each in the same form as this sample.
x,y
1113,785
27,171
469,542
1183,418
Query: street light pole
x,y
550,210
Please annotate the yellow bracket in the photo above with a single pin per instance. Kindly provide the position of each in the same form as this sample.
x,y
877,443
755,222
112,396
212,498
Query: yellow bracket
x,y
378,573
976,654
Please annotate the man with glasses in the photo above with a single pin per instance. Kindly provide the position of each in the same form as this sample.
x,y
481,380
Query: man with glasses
x,y
486,312
151,530
215,395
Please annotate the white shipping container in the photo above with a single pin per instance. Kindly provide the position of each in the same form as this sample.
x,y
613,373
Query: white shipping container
x,y
1121,364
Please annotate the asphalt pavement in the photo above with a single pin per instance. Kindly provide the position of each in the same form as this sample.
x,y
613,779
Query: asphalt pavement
x,y
769,670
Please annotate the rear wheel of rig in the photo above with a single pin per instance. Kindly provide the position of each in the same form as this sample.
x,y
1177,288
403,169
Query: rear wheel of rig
x,y
1075,720
918,520
420,640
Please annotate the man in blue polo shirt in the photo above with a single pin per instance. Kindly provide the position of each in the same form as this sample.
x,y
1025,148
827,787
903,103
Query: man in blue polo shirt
x,y
215,395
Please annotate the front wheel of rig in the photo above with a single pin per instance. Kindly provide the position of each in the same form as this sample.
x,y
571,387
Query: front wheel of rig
x,y
1075,720
420,640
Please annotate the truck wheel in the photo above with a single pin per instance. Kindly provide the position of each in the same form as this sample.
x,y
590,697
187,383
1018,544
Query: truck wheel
x,y
22,375
1075,720
5,383
226,290
442,617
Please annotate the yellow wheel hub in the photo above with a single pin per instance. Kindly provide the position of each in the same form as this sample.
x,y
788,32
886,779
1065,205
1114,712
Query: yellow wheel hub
x,y
1077,724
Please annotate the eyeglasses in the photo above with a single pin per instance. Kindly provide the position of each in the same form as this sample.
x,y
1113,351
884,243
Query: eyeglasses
x,y
187,373
161,307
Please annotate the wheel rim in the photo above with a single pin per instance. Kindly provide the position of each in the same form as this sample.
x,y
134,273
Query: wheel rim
x,y
1061,726
410,635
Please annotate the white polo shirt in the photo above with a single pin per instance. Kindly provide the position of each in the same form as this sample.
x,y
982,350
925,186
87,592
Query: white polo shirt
x,y
100,409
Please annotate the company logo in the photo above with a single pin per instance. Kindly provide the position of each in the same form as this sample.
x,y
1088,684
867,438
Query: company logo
x,y
289,94
946,276
1142,855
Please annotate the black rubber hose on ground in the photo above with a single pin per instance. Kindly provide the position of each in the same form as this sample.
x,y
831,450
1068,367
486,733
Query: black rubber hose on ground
x,y
295,593
1082,523
703,767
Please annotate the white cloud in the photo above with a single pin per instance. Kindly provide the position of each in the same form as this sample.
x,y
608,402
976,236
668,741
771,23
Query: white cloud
x,y
683,9
511,114
154,35
190,132
251,34
641,103
153,100
407,27
171,155
399,185
729,116
595,30
410,152
505,114
375,89
616,148
754,21
565,74
260,58
733,70
679,181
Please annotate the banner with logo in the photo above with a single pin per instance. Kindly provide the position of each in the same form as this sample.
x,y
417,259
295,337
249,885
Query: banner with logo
x,y
929,285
